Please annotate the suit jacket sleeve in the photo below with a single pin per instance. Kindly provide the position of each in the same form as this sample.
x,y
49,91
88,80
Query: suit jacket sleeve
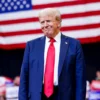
x,y
80,73
23,88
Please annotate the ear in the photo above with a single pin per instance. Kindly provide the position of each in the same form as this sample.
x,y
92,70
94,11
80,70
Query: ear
x,y
59,25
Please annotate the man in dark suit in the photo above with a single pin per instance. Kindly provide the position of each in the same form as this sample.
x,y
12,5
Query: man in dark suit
x,y
53,66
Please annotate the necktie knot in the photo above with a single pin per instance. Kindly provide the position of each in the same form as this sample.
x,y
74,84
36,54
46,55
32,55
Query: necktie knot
x,y
52,40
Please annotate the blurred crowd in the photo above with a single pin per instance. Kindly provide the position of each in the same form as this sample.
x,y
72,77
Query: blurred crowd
x,y
93,88
9,88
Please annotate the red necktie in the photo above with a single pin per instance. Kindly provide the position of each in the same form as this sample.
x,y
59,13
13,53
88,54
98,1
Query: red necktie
x,y
49,70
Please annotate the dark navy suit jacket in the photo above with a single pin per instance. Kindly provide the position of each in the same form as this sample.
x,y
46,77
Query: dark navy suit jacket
x,y
71,70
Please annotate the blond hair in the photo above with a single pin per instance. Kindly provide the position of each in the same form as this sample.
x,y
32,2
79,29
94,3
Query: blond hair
x,y
51,12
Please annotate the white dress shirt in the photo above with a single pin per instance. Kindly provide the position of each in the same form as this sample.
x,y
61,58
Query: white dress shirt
x,y
57,52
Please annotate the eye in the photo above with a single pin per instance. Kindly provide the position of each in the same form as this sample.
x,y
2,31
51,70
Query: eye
x,y
48,20
42,22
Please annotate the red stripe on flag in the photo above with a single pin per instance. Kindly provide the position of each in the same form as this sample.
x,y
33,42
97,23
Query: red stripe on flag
x,y
89,40
5,34
16,21
80,27
82,14
13,46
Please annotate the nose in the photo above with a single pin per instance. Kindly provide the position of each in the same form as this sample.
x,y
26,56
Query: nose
x,y
45,24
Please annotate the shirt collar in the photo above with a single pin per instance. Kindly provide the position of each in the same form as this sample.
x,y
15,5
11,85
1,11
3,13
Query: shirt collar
x,y
57,37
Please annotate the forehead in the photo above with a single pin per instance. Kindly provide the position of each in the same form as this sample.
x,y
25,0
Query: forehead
x,y
46,17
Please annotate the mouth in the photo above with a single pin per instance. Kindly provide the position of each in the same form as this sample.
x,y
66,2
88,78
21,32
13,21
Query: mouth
x,y
47,30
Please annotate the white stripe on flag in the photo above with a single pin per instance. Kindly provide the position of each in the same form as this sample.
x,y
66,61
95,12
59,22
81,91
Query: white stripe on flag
x,y
24,38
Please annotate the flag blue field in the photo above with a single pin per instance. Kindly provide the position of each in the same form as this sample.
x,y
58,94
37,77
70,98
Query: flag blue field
x,y
14,5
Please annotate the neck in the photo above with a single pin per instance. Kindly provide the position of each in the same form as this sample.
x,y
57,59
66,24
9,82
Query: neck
x,y
53,35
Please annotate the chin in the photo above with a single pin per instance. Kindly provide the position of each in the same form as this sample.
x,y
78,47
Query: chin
x,y
49,35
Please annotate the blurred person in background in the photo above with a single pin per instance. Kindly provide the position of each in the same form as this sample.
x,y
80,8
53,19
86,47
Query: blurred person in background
x,y
98,75
2,97
2,92
53,66
94,93
4,83
95,84
16,81
12,91
87,89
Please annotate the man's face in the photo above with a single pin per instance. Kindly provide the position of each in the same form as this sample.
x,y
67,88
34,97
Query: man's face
x,y
49,25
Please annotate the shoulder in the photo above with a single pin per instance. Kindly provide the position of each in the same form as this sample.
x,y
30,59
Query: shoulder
x,y
35,40
71,40
73,43
33,43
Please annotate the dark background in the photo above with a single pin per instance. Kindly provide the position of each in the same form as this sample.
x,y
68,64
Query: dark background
x,y
11,60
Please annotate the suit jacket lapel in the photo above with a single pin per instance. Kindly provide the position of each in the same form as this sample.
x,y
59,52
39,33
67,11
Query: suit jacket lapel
x,y
63,52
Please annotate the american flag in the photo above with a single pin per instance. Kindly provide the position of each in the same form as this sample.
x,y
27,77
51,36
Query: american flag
x,y
19,20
